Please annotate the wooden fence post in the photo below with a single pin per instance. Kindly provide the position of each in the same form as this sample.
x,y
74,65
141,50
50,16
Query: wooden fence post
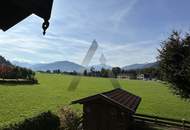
x,y
183,124
156,120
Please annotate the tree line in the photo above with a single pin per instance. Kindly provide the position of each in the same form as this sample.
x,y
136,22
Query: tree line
x,y
15,72
9,71
115,72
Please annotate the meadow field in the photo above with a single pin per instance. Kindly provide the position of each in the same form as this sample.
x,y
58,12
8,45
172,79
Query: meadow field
x,y
18,102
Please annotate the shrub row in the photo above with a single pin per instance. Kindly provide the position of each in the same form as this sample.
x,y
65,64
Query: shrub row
x,y
67,120
44,121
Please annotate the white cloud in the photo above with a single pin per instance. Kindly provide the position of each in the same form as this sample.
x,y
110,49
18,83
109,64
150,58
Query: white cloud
x,y
55,47
67,36
128,53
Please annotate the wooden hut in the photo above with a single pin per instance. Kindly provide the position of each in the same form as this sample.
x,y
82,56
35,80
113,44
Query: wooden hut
x,y
111,110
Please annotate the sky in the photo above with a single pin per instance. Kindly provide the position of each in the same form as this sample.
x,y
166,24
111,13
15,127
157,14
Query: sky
x,y
127,31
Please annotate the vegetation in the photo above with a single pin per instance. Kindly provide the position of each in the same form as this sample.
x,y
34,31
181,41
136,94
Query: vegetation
x,y
4,61
44,121
70,120
12,72
116,71
19,102
102,73
149,73
174,61
9,71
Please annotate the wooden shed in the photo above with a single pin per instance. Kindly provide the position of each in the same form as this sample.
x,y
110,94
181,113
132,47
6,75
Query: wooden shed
x,y
110,110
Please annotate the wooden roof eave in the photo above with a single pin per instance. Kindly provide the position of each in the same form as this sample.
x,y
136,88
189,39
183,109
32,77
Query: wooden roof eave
x,y
87,99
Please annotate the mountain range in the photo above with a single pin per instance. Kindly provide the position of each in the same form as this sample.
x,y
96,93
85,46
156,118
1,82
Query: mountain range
x,y
64,66
67,66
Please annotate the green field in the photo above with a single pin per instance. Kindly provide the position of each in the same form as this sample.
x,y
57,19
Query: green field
x,y
18,102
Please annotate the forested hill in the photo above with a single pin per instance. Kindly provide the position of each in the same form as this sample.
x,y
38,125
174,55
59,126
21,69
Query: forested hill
x,y
4,61
10,71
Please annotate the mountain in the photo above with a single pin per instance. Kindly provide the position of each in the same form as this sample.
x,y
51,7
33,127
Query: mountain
x,y
140,66
67,66
64,66
22,64
4,61
100,67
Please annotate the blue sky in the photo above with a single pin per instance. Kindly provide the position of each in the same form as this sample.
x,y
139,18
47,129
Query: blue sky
x,y
128,31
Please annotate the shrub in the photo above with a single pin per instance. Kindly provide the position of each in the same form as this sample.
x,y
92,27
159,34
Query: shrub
x,y
69,119
44,121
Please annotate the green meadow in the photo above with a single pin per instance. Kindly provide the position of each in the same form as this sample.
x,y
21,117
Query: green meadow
x,y
18,102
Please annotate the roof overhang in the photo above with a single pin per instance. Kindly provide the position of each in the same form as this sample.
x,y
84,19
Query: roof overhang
x,y
14,11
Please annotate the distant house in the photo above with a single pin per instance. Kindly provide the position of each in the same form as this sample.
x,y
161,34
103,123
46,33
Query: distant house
x,y
140,77
123,76
144,77
111,110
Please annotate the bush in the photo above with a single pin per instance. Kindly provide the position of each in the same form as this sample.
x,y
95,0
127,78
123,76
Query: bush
x,y
69,119
44,121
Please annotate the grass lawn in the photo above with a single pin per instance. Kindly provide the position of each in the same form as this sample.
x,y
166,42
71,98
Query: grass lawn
x,y
18,102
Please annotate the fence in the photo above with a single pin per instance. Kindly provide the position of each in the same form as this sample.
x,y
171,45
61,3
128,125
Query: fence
x,y
163,121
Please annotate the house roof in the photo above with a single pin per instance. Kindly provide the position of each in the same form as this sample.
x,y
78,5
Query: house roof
x,y
118,97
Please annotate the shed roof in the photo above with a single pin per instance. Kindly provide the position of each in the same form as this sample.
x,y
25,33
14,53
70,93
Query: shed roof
x,y
117,96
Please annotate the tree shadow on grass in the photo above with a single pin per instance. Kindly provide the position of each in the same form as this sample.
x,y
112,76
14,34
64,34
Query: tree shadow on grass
x,y
18,84
15,82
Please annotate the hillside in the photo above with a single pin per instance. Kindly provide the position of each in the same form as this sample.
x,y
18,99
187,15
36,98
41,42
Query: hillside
x,y
140,66
4,61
